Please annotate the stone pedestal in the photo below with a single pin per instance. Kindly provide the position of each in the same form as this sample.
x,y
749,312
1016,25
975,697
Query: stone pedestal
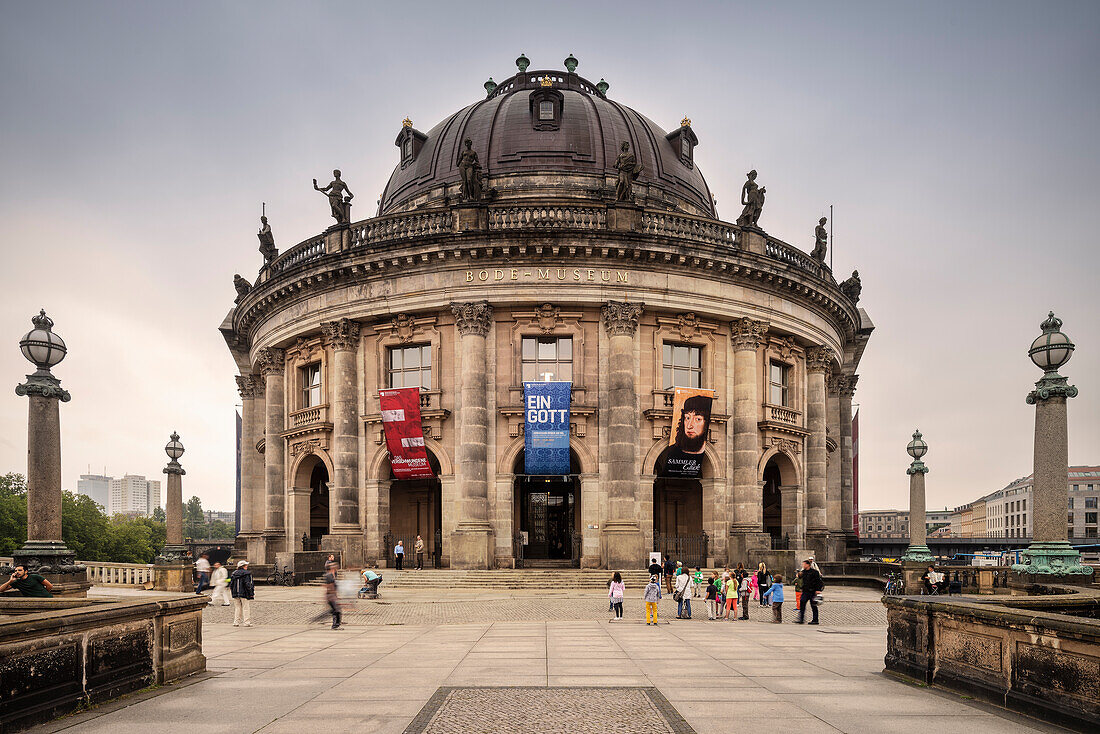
x,y
752,240
338,237
912,571
623,217
470,217
173,577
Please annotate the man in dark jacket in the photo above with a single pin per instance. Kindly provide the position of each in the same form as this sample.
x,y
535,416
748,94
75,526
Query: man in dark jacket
x,y
669,571
811,585
243,590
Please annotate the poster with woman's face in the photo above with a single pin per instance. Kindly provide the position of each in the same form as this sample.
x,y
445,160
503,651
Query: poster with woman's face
x,y
690,428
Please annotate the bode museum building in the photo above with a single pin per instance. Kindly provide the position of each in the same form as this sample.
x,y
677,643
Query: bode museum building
x,y
700,372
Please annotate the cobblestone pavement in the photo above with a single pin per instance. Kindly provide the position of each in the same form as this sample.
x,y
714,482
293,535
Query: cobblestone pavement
x,y
521,609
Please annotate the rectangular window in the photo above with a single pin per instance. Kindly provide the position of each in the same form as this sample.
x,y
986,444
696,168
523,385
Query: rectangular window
x,y
1071,503
547,358
682,366
1090,518
1090,532
1090,502
311,385
778,378
1069,519
546,110
411,367
685,148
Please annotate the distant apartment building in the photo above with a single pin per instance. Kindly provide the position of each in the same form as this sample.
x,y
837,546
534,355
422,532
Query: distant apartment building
x,y
229,518
936,520
96,486
134,495
883,523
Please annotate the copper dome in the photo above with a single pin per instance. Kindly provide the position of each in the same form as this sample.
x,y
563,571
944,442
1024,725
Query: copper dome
x,y
526,156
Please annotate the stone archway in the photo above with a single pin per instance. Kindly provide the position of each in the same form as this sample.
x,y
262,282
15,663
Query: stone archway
x,y
547,513
310,507
684,512
415,509
784,511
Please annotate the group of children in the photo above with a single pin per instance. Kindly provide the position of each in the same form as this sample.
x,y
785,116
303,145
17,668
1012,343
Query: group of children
x,y
721,593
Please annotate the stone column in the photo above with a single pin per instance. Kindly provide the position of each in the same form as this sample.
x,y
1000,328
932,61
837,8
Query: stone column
x,y
171,571
847,503
376,517
623,541
833,386
272,364
917,556
173,512
343,337
246,388
746,520
1050,557
472,541
818,361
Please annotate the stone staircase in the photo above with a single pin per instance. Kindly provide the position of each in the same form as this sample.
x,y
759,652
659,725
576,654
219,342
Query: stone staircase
x,y
528,578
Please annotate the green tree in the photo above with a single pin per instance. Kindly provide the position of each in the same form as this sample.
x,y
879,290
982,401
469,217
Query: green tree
x,y
85,528
194,522
158,514
13,512
130,541
219,530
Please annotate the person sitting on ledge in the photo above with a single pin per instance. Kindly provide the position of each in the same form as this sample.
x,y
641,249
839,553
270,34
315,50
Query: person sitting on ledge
x,y
29,584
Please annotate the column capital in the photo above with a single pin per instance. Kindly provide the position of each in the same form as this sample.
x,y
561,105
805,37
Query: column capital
x,y
174,468
833,385
819,359
848,386
748,334
1052,385
917,467
249,385
46,386
473,317
271,361
342,334
620,318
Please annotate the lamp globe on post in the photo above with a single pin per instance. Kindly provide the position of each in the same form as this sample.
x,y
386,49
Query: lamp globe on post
x,y
174,551
917,555
1050,557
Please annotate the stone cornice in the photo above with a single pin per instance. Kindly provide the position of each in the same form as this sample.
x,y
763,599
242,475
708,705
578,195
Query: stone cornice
x,y
473,318
342,335
748,334
620,318
270,361
819,359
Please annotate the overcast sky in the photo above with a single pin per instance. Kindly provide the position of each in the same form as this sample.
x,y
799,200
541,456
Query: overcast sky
x,y
957,141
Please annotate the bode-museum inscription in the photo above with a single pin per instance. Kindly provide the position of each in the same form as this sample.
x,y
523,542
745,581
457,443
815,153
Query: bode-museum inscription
x,y
576,275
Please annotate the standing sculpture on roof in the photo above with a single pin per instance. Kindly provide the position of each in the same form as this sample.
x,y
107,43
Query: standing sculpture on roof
x,y
242,286
469,167
339,198
821,236
852,287
752,198
267,242
629,169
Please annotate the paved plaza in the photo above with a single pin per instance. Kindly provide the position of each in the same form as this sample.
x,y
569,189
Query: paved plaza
x,y
381,674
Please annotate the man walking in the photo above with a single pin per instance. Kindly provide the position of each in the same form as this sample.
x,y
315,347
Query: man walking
x,y
28,584
202,568
669,571
419,547
243,590
219,581
332,569
811,585
399,553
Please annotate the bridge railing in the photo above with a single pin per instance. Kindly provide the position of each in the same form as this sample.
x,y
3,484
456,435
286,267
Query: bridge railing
x,y
102,573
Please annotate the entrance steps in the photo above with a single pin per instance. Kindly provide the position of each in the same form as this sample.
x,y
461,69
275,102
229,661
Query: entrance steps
x,y
548,579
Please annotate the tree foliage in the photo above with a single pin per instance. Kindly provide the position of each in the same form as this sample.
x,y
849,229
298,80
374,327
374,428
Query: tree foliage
x,y
13,512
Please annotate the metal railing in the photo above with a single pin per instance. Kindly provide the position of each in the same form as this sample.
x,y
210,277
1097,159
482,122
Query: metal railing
x,y
691,549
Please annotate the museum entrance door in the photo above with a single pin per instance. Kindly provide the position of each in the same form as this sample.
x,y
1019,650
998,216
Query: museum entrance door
x,y
416,508
547,512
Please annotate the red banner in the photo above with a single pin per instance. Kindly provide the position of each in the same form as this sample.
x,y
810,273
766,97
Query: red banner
x,y
404,436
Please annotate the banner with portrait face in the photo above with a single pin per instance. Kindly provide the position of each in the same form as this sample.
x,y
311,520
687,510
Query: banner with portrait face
x,y
546,427
404,435
690,428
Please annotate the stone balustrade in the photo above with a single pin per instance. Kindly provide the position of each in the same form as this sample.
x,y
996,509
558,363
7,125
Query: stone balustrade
x,y
793,257
780,414
400,226
309,416
119,574
562,216
311,249
681,226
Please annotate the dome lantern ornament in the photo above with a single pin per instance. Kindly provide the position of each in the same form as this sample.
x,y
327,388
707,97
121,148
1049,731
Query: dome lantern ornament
x,y
571,63
407,122
546,81
522,63
603,86
490,86
686,122
1049,351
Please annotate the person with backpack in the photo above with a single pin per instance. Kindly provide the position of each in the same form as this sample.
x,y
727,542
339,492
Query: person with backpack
x,y
652,595
243,590
682,595
812,585
669,570
615,592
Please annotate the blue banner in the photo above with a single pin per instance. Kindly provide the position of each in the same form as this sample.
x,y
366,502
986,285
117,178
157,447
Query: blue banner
x,y
546,427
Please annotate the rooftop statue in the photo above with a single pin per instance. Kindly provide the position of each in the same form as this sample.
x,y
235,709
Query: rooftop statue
x,y
852,287
267,242
629,169
822,236
339,198
242,286
752,198
469,167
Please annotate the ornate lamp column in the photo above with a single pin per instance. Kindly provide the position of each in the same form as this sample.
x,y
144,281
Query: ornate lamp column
x,y
172,572
918,551
746,520
818,360
624,541
1050,557
45,551
272,364
471,542
343,336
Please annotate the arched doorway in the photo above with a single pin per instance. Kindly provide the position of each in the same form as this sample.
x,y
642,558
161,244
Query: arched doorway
x,y
678,517
310,504
773,501
547,516
416,508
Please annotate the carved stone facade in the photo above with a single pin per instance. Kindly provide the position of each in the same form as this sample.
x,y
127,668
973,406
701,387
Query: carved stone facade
x,y
545,277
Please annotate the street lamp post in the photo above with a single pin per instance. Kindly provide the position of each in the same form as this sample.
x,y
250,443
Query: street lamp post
x,y
173,573
917,555
45,551
1050,557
